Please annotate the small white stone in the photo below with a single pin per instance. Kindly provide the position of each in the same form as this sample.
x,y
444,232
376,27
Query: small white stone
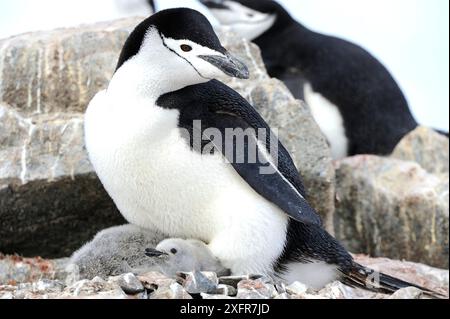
x,y
297,288
407,293
7,295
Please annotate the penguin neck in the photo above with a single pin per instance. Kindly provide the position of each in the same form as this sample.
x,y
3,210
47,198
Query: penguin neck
x,y
283,20
286,28
292,35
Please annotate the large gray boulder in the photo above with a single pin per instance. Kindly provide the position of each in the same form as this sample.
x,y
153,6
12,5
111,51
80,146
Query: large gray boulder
x,y
427,148
50,199
388,207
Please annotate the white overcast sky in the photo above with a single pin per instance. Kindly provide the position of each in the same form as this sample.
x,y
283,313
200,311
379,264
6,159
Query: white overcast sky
x,y
411,37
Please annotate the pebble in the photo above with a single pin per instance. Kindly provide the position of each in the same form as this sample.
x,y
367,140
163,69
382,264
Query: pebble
x,y
296,288
197,283
173,291
129,284
256,289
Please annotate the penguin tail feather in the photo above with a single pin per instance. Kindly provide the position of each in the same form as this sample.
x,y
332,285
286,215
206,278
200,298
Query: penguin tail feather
x,y
369,279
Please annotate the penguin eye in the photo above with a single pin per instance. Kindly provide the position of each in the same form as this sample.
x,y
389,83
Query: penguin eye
x,y
173,251
250,15
186,48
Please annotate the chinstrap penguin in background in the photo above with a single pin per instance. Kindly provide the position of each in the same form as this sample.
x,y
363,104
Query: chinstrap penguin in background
x,y
356,102
160,179
131,249
152,5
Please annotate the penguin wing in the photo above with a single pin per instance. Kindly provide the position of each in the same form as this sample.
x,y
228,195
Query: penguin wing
x,y
247,142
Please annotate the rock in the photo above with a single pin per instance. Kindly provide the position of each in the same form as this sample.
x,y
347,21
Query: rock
x,y
7,292
48,286
296,288
425,276
307,296
407,293
15,269
174,291
388,207
226,290
6,295
212,297
427,148
256,289
197,282
60,71
96,288
233,281
50,199
337,290
296,127
153,280
280,287
162,287
130,284
42,289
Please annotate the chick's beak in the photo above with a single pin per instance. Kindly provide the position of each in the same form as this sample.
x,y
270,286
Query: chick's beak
x,y
153,253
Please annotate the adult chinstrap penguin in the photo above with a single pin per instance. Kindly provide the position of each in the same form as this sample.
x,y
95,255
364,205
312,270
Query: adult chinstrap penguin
x,y
140,135
353,97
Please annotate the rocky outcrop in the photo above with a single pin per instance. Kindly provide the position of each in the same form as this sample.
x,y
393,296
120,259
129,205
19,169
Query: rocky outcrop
x,y
207,285
50,199
389,207
427,148
60,71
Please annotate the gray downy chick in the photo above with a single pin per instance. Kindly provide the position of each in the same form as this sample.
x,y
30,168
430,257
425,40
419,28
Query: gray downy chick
x,y
179,255
114,251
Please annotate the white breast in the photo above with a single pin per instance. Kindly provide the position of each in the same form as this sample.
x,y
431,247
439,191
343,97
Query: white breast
x,y
157,181
330,121
315,274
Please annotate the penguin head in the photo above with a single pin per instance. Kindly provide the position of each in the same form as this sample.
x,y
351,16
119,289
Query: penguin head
x,y
248,18
178,47
179,255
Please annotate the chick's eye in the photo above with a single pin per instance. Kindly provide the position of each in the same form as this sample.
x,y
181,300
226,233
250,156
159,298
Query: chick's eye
x,y
173,251
186,48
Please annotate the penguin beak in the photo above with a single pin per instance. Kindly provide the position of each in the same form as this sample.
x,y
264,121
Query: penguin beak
x,y
228,64
214,4
153,253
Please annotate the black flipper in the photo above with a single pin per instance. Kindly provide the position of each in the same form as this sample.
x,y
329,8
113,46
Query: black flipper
x,y
219,107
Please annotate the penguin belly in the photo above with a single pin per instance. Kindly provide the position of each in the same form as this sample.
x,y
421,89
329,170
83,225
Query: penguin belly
x,y
330,121
158,182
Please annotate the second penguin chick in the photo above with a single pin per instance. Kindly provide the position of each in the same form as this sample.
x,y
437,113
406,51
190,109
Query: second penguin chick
x,y
178,255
